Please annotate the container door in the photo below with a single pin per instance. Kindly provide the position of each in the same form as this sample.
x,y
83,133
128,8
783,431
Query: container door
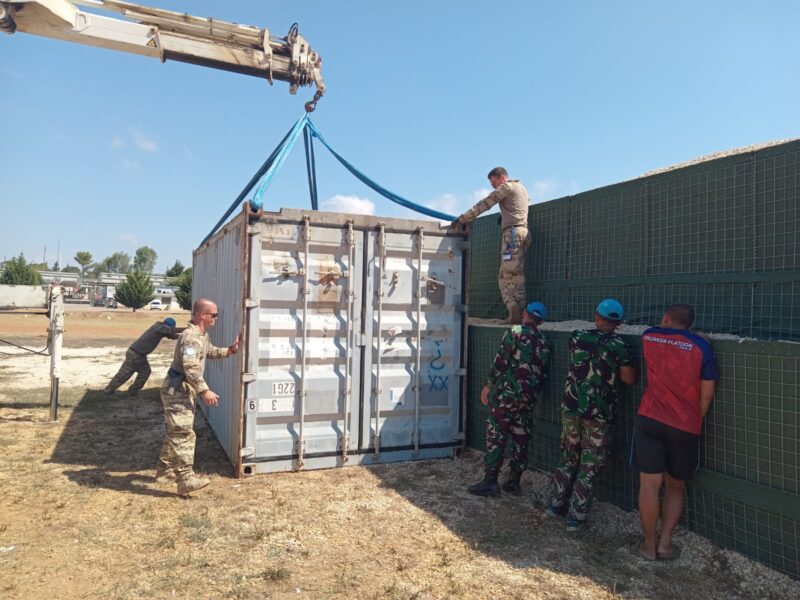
x,y
300,408
413,331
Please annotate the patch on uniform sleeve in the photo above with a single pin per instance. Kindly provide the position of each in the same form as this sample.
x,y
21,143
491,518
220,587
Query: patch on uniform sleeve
x,y
189,351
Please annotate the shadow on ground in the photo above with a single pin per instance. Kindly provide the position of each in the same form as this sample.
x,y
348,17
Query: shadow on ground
x,y
516,530
117,441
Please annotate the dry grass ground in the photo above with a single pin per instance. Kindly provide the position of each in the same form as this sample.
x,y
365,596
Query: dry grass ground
x,y
80,516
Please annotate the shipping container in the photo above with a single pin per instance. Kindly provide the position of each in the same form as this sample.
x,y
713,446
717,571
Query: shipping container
x,y
353,339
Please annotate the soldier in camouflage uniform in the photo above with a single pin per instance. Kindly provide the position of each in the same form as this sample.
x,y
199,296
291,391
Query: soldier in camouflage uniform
x,y
179,390
136,356
513,199
598,359
518,373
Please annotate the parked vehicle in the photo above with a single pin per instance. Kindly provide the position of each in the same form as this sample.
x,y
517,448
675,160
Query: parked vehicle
x,y
156,305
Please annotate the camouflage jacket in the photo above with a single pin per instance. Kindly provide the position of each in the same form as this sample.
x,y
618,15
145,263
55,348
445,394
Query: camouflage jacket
x,y
191,352
513,200
148,341
522,363
593,378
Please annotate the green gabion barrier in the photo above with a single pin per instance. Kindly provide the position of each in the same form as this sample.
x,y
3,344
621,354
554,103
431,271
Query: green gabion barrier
x,y
723,235
746,494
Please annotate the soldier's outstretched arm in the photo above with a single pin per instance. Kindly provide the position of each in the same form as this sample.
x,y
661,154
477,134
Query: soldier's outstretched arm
x,y
215,352
483,205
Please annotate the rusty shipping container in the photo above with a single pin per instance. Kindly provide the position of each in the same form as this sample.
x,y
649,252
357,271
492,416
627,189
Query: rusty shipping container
x,y
353,339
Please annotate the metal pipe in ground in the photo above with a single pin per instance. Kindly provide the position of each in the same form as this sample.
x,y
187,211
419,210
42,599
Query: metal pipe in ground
x,y
54,398
55,339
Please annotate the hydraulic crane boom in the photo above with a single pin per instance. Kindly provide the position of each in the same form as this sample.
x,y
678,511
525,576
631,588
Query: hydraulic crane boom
x,y
169,35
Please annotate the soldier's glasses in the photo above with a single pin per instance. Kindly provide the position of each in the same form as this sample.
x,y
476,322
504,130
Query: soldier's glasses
x,y
213,315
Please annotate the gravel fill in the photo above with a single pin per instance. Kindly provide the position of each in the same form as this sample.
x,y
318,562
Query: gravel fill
x,y
715,155
624,329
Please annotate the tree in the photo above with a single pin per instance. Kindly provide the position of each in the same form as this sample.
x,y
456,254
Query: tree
x,y
136,291
175,269
84,259
70,269
119,262
18,272
145,259
183,294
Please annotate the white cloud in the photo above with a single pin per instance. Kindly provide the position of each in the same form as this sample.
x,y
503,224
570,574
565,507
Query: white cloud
x,y
117,143
448,203
349,204
573,187
543,189
142,141
129,238
480,194
12,73
131,165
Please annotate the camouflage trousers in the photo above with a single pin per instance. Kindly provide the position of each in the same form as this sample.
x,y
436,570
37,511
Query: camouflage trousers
x,y
177,451
508,425
584,445
511,278
134,363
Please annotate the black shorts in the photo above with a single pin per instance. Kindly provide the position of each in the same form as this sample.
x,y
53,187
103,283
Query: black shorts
x,y
661,448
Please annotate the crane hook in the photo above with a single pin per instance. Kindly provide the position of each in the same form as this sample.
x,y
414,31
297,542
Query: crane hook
x,y
312,105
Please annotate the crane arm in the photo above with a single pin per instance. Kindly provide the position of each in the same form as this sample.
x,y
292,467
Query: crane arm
x,y
169,35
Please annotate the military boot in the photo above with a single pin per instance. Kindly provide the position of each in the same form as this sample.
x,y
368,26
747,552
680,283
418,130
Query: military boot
x,y
514,315
512,485
191,484
487,487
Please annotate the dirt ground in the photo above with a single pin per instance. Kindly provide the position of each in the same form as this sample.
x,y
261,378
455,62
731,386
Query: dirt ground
x,y
80,516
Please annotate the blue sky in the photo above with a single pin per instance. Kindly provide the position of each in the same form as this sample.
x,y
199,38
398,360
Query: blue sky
x,y
106,151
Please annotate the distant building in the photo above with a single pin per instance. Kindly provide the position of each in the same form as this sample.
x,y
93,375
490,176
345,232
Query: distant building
x,y
103,287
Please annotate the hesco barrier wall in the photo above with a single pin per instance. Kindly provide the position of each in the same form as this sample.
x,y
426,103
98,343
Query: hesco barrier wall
x,y
722,235
747,492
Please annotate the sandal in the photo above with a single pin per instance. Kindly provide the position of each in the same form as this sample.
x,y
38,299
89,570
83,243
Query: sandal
x,y
676,552
636,550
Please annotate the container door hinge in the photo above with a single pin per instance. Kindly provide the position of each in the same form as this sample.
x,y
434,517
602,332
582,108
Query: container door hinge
x,y
463,245
459,437
461,372
344,446
461,308
247,451
376,444
360,339
250,303
253,230
248,377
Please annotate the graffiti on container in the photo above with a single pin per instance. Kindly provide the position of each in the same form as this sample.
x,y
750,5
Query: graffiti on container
x,y
437,358
438,382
